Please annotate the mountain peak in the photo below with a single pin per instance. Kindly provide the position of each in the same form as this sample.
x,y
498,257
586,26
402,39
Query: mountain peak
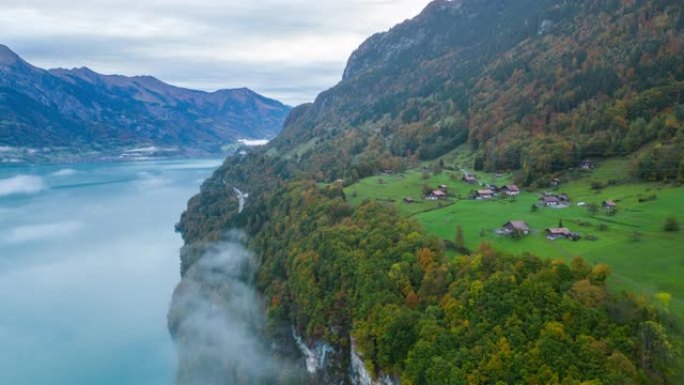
x,y
7,56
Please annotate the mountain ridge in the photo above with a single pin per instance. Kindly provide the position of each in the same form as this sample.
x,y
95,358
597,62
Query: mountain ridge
x,y
501,76
84,110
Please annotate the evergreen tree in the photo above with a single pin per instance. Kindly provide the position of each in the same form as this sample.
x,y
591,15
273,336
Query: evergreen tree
x,y
459,242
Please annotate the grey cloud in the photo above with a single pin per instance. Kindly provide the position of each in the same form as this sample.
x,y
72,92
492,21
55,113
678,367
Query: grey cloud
x,y
290,50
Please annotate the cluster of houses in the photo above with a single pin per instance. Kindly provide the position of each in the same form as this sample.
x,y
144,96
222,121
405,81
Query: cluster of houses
x,y
521,228
554,200
491,191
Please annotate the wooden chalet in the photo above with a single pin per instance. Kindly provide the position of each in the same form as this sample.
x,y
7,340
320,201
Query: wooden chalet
x,y
549,201
484,194
516,227
436,195
558,233
510,190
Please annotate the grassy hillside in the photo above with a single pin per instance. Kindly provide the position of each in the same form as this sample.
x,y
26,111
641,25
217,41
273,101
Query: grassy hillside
x,y
644,258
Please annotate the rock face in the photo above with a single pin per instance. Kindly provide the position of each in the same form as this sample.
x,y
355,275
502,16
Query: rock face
x,y
358,374
80,108
418,33
315,356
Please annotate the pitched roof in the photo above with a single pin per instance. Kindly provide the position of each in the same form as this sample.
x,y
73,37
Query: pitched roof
x,y
511,187
559,231
518,225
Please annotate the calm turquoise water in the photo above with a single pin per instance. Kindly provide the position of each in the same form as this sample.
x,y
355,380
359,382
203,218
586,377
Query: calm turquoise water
x,y
88,263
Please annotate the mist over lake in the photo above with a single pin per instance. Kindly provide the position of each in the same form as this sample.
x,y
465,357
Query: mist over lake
x,y
88,262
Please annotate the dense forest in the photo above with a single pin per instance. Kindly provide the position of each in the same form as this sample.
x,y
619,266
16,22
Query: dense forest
x,y
529,86
535,86
415,313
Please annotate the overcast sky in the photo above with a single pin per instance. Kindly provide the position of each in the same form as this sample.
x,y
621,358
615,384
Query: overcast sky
x,y
287,49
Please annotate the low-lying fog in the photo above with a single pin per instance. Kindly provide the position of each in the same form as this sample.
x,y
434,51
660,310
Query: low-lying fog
x,y
88,262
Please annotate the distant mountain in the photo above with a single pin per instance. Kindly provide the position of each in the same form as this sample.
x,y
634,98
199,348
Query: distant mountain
x,y
83,110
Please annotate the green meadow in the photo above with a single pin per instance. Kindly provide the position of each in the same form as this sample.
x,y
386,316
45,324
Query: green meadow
x,y
644,259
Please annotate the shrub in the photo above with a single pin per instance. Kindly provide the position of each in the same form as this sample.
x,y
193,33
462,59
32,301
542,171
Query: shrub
x,y
648,198
671,224
597,185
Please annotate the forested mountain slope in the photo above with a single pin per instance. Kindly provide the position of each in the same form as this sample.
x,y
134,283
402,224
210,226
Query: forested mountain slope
x,y
530,86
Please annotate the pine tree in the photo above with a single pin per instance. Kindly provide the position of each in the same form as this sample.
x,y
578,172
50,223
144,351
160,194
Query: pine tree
x,y
459,241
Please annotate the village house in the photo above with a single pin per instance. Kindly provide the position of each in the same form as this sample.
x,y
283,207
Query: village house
x,y
555,182
558,233
609,205
549,201
436,195
484,194
470,179
552,200
444,188
515,227
510,190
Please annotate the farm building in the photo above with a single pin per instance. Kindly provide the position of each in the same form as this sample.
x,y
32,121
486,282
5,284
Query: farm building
x,y
549,201
436,195
484,194
558,233
552,200
609,205
510,190
515,227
